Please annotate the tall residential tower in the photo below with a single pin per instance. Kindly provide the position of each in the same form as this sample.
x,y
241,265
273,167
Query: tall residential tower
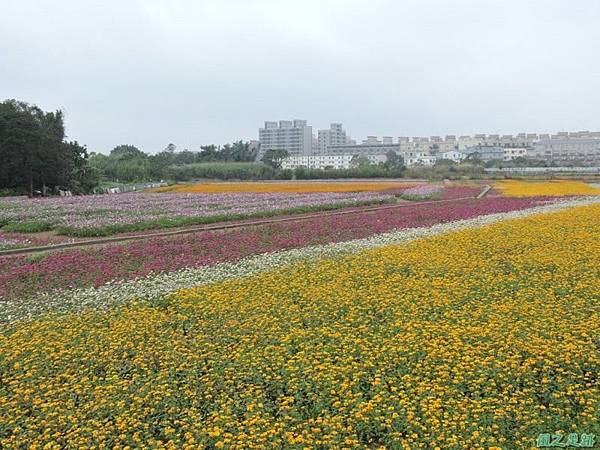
x,y
292,135
335,135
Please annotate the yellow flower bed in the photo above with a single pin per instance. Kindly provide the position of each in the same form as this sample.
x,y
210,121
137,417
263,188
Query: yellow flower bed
x,y
517,188
300,187
479,338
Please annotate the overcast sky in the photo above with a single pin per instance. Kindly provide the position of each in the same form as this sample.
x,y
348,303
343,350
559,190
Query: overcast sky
x,y
150,72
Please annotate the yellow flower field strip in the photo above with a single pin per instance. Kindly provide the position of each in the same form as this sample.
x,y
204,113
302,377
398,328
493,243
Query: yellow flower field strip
x,y
517,188
285,187
480,337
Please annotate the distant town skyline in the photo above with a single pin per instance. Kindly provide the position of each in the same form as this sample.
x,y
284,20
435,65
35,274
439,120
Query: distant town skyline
x,y
334,148
148,73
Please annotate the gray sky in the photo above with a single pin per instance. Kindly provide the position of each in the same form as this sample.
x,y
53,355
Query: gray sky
x,y
150,72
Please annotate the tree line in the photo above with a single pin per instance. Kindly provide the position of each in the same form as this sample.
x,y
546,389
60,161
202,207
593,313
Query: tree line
x,y
35,157
128,163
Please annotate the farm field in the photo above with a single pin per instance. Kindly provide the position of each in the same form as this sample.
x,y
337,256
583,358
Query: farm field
x,y
432,325
293,186
518,188
106,215
29,275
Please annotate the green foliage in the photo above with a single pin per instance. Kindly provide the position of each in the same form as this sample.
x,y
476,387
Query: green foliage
x,y
127,152
127,163
359,162
122,166
274,157
370,171
445,162
393,160
10,192
474,158
28,227
35,156
419,198
36,257
222,171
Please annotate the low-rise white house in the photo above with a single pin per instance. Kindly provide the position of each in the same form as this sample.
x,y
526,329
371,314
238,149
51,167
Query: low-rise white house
x,y
418,159
452,155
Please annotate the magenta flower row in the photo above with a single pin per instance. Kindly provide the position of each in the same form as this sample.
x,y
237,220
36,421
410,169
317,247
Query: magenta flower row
x,y
24,276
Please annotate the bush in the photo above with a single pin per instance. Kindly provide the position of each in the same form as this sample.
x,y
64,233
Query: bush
x,y
28,227
10,192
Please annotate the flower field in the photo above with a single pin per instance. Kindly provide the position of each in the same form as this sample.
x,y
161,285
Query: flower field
x,y
481,335
108,214
469,323
558,188
104,215
28,275
290,187
13,240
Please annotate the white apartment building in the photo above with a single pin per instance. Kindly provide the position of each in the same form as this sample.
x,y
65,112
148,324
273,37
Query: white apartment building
x,y
294,136
416,144
511,153
465,142
486,152
377,159
374,147
343,161
335,135
569,149
317,162
371,140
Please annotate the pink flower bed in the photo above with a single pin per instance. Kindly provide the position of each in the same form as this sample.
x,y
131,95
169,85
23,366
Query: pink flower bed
x,y
17,240
460,192
423,190
26,275
437,192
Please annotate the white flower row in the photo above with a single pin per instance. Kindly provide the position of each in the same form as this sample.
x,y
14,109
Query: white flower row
x,y
157,285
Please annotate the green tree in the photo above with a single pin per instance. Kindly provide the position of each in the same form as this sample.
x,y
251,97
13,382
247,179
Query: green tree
x,y
241,152
32,149
208,153
126,151
444,162
83,177
474,158
274,157
359,161
393,160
